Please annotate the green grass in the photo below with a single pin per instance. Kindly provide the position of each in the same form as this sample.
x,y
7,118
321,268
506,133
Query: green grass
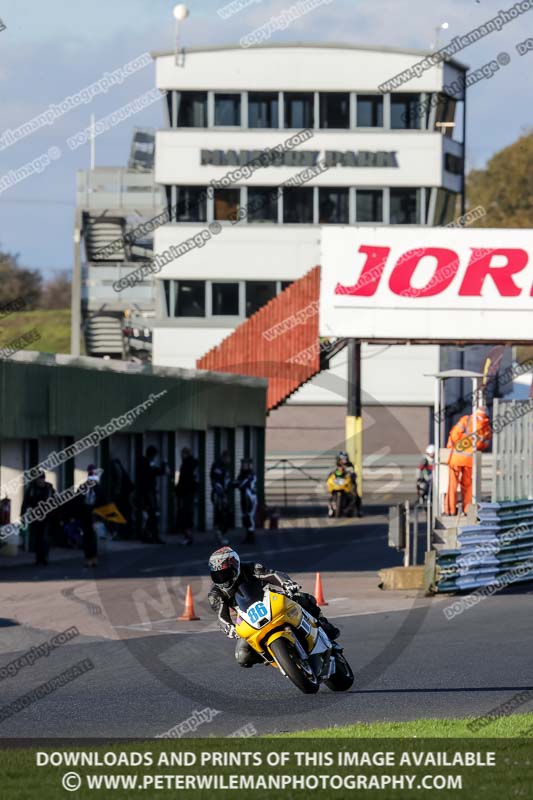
x,y
53,327
513,725
512,774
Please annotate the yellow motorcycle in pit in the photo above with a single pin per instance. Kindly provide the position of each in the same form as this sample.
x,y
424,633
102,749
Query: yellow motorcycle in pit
x,y
340,488
290,639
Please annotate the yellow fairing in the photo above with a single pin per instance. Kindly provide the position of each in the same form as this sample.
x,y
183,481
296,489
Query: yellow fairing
x,y
285,612
335,487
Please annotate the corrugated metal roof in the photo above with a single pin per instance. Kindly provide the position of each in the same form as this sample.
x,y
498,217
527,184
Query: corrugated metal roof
x,y
279,342
66,396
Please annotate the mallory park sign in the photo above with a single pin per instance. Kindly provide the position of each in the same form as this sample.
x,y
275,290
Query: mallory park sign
x,y
301,158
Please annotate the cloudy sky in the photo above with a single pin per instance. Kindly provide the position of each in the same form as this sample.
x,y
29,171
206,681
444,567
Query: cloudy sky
x,y
51,50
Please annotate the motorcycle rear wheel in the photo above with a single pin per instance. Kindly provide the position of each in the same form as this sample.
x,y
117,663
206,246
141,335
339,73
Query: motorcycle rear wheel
x,y
343,677
287,657
338,505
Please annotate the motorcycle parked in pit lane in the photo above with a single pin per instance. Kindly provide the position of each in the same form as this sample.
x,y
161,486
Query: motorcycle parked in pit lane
x,y
341,497
290,639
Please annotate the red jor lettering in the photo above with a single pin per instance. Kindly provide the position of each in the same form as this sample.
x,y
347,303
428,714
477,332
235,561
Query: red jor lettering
x,y
480,267
446,266
376,258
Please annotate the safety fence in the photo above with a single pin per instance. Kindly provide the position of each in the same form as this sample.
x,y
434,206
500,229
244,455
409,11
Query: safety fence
x,y
299,477
497,552
512,425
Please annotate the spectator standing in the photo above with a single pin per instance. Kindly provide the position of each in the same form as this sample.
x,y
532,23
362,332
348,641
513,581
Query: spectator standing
x,y
424,484
246,483
221,486
120,491
89,498
148,472
186,490
38,491
343,460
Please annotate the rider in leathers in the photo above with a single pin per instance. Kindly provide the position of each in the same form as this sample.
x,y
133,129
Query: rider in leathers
x,y
221,600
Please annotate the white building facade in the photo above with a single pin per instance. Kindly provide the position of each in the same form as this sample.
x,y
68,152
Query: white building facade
x,y
373,159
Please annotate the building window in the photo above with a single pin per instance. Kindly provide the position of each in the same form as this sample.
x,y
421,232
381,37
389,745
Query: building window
x,y
369,111
453,164
298,205
334,110
192,109
227,204
445,115
190,299
285,285
263,110
445,207
299,109
191,204
262,204
225,299
405,111
404,206
228,110
333,206
369,205
258,294
166,289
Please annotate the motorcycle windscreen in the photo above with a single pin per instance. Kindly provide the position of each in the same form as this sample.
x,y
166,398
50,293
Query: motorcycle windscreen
x,y
248,593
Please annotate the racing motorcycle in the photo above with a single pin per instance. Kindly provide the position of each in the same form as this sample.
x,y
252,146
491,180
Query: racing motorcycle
x,y
342,501
288,638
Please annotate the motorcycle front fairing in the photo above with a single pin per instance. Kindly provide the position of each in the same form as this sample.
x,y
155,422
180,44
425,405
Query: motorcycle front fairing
x,y
266,614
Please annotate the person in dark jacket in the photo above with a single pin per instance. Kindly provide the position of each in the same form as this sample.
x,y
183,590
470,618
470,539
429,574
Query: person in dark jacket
x,y
228,574
38,491
246,483
186,490
343,460
89,497
221,487
120,491
149,470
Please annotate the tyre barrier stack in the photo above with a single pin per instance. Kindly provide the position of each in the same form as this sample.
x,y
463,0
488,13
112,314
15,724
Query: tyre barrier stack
x,y
498,551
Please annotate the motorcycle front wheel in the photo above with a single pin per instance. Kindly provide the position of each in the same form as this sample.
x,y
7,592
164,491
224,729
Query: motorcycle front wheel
x,y
343,677
338,505
289,660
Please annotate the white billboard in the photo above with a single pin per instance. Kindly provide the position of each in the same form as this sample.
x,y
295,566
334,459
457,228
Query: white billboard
x,y
427,284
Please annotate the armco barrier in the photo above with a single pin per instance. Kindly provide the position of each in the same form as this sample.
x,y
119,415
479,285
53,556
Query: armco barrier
x,y
498,550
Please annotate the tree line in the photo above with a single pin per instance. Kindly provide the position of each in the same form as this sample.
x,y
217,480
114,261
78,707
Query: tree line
x,y
17,281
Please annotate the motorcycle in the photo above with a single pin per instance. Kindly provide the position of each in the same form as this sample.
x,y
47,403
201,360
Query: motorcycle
x,y
288,638
340,488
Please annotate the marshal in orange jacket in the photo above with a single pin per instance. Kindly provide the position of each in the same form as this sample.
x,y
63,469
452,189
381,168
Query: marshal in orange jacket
x,y
465,436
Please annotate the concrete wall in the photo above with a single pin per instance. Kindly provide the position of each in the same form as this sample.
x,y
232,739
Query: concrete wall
x,y
314,429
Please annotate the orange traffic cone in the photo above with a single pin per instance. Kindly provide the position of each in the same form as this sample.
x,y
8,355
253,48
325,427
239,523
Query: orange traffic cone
x,y
189,613
319,592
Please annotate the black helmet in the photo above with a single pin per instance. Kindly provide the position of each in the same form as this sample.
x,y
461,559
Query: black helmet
x,y
225,567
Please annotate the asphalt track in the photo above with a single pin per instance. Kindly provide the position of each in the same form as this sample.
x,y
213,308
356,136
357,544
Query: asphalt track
x,y
410,661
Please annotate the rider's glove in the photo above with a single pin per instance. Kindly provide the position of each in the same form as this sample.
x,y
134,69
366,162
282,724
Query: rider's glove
x,y
231,631
291,587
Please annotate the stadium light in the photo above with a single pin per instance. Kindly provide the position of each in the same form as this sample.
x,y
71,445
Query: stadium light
x,y
180,12
442,27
